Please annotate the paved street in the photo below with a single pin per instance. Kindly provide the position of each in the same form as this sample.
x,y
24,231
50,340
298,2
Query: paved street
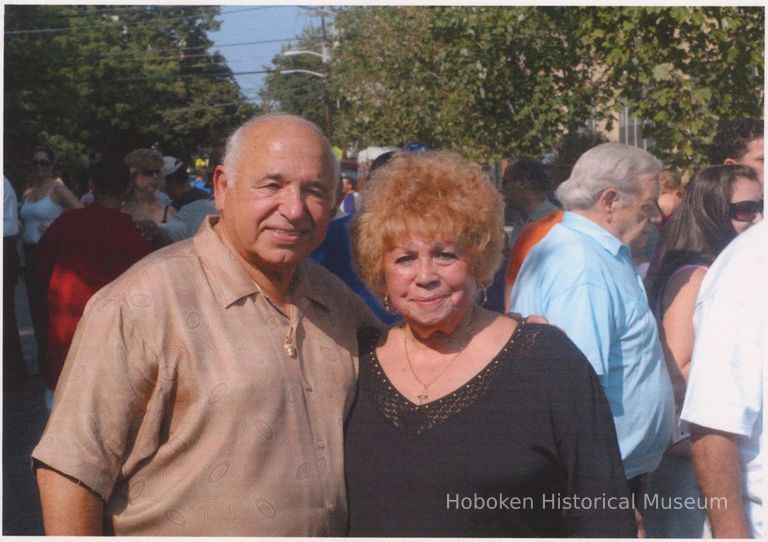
x,y
24,418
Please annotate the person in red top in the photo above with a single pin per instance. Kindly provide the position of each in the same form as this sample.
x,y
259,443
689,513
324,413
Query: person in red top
x,y
81,252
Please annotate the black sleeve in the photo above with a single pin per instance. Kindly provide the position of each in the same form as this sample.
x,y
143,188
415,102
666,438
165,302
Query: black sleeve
x,y
592,471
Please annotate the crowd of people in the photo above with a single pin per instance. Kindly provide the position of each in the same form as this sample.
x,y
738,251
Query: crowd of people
x,y
286,356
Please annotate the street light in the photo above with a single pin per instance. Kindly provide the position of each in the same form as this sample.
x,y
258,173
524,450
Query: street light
x,y
324,55
326,58
308,72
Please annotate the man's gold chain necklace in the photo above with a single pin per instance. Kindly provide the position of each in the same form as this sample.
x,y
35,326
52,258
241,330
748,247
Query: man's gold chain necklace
x,y
289,335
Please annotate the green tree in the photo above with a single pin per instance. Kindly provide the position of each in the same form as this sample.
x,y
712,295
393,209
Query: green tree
x,y
681,69
110,79
571,146
487,81
500,81
298,93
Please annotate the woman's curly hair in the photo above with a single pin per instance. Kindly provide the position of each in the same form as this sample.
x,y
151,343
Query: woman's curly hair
x,y
437,195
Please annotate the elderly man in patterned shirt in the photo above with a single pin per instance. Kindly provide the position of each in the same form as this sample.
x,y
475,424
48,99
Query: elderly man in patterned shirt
x,y
206,388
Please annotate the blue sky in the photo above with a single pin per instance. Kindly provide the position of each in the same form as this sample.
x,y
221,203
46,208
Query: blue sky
x,y
242,25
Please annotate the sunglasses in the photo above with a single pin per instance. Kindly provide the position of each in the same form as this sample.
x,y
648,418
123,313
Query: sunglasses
x,y
745,211
41,163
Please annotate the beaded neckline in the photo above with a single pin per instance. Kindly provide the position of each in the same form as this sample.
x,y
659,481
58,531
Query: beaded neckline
x,y
410,417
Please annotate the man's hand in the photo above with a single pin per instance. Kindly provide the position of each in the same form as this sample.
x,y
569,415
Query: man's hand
x,y
718,470
69,508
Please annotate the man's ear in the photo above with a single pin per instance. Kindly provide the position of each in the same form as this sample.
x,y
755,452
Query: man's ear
x,y
219,187
609,199
730,162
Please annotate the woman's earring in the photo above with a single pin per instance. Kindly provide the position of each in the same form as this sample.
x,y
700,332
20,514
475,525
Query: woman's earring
x,y
484,301
388,306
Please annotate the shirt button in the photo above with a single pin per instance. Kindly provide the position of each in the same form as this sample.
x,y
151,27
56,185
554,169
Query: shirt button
x,y
321,445
308,388
330,507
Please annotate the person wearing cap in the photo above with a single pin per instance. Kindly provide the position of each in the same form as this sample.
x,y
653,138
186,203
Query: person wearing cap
x,y
177,184
192,205
143,202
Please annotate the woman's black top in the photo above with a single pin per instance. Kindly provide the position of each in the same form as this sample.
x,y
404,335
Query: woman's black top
x,y
526,448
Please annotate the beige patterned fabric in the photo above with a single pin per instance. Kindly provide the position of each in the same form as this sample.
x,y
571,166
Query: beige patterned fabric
x,y
179,406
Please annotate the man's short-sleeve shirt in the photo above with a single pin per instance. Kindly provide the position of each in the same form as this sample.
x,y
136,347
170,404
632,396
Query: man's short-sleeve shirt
x,y
725,388
179,406
582,279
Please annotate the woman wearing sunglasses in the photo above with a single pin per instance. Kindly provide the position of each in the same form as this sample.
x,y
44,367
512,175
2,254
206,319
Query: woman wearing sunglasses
x,y
143,203
718,204
43,201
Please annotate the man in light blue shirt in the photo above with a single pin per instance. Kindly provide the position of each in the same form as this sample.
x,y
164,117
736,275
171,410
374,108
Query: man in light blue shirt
x,y
582,279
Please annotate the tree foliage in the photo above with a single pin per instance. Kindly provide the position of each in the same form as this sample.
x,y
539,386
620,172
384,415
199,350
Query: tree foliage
x,y
104,79
486,81
298,93
500,81
681,69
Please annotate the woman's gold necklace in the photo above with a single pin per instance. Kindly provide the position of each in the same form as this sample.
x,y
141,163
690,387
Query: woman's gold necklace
x,y
423,397
289,342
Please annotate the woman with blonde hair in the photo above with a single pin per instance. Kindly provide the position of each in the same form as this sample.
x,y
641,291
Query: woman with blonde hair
x,y
466,423
146,178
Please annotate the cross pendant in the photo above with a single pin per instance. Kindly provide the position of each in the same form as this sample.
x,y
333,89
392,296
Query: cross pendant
x,y
422,397
289,349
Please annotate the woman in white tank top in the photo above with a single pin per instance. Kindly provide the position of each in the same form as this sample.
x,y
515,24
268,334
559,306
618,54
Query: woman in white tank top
x,y
45,199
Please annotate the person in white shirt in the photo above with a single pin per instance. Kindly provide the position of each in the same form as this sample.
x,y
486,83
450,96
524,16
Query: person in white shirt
x,y
724,400
14,369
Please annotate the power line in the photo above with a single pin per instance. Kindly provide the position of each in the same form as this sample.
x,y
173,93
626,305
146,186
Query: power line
x,y
97,11
196,48
186,76
116,23
249,61
200,107
188,57
268,41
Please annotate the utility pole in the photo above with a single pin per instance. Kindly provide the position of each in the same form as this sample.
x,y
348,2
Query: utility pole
x,y
327,83
325,54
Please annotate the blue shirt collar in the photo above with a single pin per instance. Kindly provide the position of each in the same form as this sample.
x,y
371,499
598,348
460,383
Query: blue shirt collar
x,y
603,237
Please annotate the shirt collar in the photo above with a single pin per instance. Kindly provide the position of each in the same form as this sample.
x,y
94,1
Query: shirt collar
x,y
543,208
602,236
311,289
228,278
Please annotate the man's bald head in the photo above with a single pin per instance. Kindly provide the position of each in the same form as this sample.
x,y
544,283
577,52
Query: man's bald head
x,y
260,126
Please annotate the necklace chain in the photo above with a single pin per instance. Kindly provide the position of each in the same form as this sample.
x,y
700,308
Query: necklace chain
x,y
289,342
423,397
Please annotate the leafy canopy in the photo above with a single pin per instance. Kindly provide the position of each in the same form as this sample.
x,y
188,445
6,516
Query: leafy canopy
x,y
492,82
104,80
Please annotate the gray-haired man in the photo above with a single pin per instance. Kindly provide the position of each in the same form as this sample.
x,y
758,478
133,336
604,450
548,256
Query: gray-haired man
x,y
581,278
